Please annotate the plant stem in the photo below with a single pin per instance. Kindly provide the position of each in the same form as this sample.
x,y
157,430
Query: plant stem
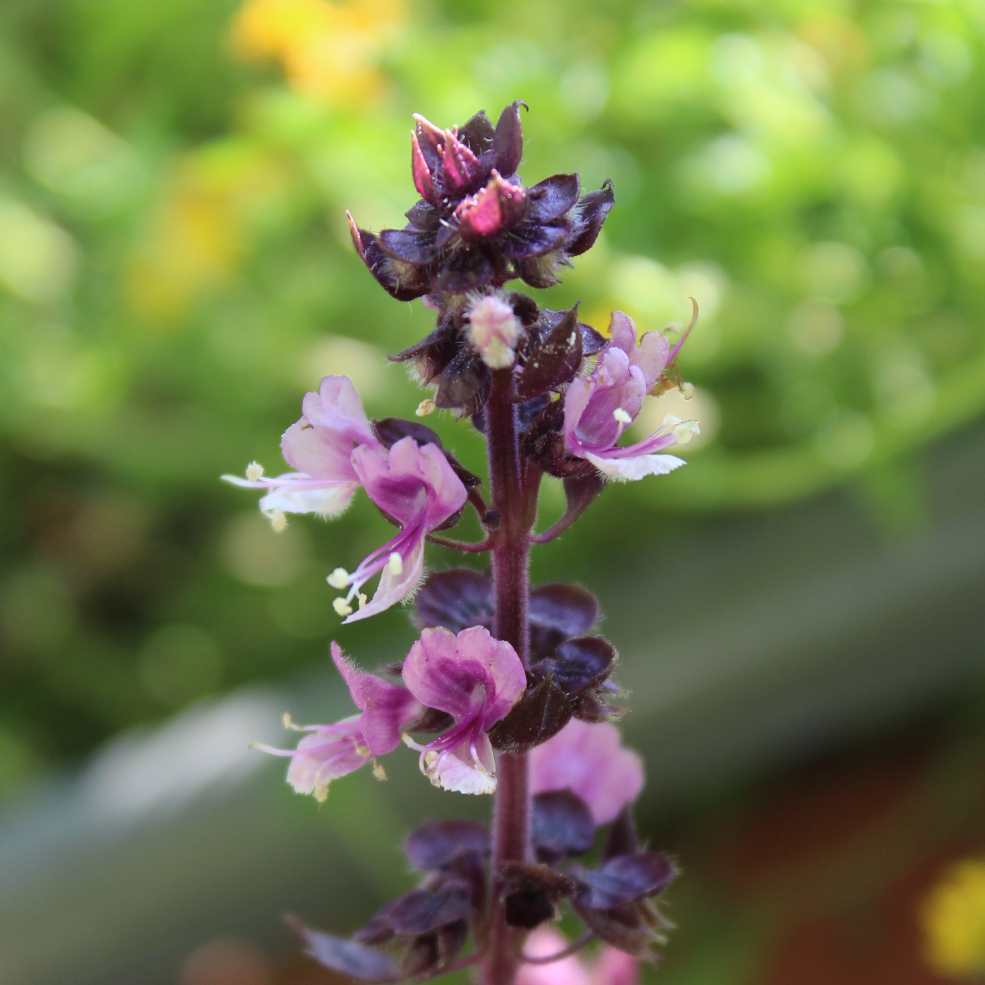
x,y
510,563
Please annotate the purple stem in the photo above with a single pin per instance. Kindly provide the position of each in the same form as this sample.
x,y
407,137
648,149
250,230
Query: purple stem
x,y
510,563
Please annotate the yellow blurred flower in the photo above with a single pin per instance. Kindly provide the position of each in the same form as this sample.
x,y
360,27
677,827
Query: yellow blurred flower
x,y
330,51
196,240
954,921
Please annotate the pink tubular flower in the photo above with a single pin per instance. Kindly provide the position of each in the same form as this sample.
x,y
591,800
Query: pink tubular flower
x,y
415,486
611,967
474,678
319,447
599,407
330,751
590,760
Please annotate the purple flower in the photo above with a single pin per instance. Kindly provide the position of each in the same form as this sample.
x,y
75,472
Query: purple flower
x,y
477,680
330,751
599,407
589,760
319,447
416,487
476,224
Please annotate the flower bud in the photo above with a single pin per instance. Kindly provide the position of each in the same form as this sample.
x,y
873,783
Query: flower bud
x,y
494,330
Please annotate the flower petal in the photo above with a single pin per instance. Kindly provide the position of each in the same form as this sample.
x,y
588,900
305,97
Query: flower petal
x,y
468,767
631,469
387,708
589,760
325,754
395,587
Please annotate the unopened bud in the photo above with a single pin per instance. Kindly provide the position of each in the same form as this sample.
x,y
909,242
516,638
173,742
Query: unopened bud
x,y
494,330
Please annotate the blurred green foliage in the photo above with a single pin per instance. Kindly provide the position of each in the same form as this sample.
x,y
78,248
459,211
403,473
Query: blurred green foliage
x,y
175,271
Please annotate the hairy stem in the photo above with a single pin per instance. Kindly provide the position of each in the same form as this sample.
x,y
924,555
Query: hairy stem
x,y
510,563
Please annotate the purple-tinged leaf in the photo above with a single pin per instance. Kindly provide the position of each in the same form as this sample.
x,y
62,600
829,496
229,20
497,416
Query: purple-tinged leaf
x,y
562,825
409,245
625,879
464,270
579,664
424,910
365,964
595,206
435,846
558,612
455,599
622,838
622,927
421,958
530,891
423,216
400,280
463,383
591,340
553,197
581,490
477,133
551,358
534,239
391,429
540,714
432,353
508,139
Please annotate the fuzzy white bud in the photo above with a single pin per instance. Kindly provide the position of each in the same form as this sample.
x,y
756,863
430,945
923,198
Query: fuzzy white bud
x,y
494,330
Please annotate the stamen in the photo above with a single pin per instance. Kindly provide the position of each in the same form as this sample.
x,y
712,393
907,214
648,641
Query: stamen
x,y
622,416
363,598
379,772
320,792
685,431
395,564
278,521
342,607
254,472
289,724
687,390
339,578
425,407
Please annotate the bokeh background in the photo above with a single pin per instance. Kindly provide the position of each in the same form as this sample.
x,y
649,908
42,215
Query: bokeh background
x,y
798,611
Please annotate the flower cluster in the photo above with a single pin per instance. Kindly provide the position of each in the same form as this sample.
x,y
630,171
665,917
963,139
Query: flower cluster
x,y
503,682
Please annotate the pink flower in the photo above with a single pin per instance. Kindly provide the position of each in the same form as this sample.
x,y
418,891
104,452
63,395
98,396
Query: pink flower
x,y
330,751
590,760
477,680
599,407
416,487
319,447
611,967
